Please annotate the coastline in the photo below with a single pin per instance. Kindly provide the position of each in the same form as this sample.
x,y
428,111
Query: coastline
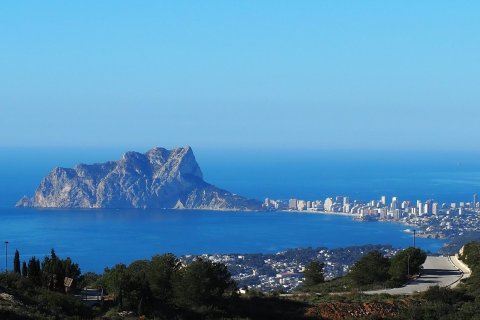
x,y
353,215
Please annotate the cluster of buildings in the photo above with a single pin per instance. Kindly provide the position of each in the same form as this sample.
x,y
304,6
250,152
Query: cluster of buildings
x,y
433,219
381,208
283,271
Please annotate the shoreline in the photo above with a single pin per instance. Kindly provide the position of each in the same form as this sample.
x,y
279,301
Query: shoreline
x,y
353,215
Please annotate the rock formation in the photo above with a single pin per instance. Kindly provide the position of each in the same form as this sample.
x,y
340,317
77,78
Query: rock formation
x,y
159,178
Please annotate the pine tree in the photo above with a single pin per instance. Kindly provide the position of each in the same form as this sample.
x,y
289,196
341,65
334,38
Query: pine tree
x,y
314,273
16,262
24,269
33,271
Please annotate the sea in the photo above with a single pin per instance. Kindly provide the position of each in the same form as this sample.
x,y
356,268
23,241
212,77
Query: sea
x,y
102,238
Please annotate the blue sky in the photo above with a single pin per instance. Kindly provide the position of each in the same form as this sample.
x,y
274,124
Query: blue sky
x,y
248,74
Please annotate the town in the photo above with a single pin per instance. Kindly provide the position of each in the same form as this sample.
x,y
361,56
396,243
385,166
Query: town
x,y
283,271
428,218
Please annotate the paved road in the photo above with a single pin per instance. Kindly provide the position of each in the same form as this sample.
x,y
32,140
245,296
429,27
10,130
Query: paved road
x,y
437,271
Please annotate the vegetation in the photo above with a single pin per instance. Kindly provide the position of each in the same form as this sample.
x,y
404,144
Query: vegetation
x,y
405,264
164,288
314,274
373,268
462,302
16,262
160,288
32,294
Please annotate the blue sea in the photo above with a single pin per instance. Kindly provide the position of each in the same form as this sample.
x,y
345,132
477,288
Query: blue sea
x,y
101,238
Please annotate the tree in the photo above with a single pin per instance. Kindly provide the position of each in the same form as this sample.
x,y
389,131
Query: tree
x,y
88,280
406,263
71,270
140,293
313,273
24,269
370,269
116,281
202,283
34,271
470,254
54,271
16,262
137,289
160,273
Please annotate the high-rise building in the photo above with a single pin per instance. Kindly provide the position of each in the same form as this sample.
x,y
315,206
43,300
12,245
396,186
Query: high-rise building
x,y
435,208
394,205
292,204
346,200
383,213
396,214
475,200
328,204
426,208
419,207
301,205
384,200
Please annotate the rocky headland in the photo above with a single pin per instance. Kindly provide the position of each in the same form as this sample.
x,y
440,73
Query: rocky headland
x,y
159,178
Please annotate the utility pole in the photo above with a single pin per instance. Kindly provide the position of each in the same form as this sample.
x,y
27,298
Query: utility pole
x,y
414,231
6,256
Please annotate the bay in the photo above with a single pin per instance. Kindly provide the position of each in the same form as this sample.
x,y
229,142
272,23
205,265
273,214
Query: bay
x,y
100,238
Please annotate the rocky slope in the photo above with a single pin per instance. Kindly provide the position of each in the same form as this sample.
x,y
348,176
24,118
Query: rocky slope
x,y
159,178
358,310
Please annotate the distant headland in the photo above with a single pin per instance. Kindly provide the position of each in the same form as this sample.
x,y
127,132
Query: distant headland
x,y
159,178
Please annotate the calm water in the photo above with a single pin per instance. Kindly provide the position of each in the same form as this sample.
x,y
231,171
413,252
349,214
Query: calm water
x,y
281,174
99,238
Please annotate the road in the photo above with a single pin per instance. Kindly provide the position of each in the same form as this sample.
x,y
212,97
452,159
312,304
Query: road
x,y
437,271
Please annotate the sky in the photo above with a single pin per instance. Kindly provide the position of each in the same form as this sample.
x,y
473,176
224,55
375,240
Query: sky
x,y
312,75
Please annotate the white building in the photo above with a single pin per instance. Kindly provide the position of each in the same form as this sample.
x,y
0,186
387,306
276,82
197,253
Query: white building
x,y
328,204
292,204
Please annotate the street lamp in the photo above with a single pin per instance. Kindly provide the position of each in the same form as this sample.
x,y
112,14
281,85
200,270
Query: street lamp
x,y
414,231
6,256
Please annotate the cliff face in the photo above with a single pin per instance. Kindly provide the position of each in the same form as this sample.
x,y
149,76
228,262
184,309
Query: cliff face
x,y
159,178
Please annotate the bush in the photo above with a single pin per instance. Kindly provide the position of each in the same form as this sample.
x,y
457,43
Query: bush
x,y
445,295
406,263
314,274
370,269
50,302
202,283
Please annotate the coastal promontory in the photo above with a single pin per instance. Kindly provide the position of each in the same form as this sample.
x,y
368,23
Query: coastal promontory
x,y
159,178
